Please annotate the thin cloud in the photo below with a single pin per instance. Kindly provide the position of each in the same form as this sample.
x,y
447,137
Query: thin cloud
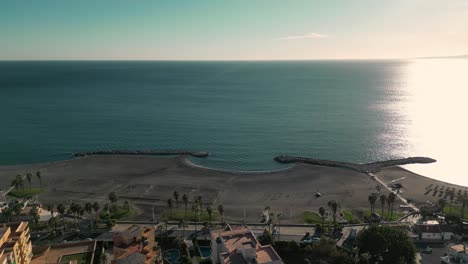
x,y
310,35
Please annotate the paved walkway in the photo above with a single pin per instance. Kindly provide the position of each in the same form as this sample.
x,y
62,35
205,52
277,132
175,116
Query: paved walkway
x,y
412,206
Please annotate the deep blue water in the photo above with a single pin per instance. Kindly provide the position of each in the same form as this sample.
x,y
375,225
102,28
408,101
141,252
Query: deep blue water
x,y
242,113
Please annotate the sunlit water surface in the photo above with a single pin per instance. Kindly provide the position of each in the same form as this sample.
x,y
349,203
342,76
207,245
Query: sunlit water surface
x,y
243,113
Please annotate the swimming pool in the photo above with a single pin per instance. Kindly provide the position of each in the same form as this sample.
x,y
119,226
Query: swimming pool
x,y
172,256
205,251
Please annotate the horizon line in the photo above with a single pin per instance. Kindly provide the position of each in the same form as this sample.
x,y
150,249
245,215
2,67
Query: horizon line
x,y
198,60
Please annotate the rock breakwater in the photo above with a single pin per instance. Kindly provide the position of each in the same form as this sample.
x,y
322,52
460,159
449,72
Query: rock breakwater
x,y
364,167
143,152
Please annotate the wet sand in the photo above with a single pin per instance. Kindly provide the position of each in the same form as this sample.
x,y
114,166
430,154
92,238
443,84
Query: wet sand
x,y
148,180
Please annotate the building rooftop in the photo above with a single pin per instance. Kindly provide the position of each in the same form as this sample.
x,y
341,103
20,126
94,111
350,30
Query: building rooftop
x,y
267,254
52,254
3,231
132,259
240,239
460,248
428,228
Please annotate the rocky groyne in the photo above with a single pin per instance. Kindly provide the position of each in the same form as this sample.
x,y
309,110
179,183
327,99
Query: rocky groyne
x,y
364,167
199,154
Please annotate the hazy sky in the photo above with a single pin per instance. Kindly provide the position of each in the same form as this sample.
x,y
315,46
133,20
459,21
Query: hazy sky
x,y
231,29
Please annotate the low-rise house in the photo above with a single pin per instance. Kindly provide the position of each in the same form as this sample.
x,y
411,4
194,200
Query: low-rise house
x,y
15,243
136,244
456,254
429,230
240,246
65,253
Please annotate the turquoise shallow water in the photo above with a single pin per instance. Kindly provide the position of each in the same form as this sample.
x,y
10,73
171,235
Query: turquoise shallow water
x,y
243,113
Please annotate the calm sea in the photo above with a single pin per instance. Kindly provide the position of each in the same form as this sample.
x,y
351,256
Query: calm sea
x,y
242,113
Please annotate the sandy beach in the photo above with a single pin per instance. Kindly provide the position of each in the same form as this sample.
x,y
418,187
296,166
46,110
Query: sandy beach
x,y
148,180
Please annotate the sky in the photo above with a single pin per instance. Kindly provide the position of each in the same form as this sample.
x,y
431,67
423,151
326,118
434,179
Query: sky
x,y
231,29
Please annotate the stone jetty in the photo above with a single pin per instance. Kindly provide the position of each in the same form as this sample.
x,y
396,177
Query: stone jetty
x,y
199,154
372,167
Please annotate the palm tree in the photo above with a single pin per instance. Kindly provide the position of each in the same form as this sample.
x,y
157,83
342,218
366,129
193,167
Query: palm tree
x,y
199,199
451,197
442,203
221,211
96,208
322,213
88,207
39,176
334,205
209,210
34,213
372,199
182,224
382,199
61,209
112,197
176,198
464,202
195,211
185,200
53,220
279,224
170,205
391,200
17,208
18,182
28,178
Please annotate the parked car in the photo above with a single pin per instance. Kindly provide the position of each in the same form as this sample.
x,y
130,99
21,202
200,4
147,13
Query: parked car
x,y
311,240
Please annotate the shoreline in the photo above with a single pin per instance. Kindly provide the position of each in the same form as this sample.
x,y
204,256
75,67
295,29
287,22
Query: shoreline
x,y
151,180
187,162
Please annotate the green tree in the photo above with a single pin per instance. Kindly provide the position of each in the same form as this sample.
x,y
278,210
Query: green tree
x,y
7,213
209,210
126,205
28,178
322,213
195,208
382,199
18,182
39,177
185,201
442,203
112,197
390,201
451,198
221,212
199,199
170,205
334,206
34,214
265,238
61,209
182,225
386,245
17,207
176,198
463,200
325,251
88,207
372,199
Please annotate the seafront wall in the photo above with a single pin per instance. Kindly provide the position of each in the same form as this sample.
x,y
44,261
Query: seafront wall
x,y
199,154
364,167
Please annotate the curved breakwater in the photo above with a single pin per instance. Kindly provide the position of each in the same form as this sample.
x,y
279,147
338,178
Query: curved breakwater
x,y
372,167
